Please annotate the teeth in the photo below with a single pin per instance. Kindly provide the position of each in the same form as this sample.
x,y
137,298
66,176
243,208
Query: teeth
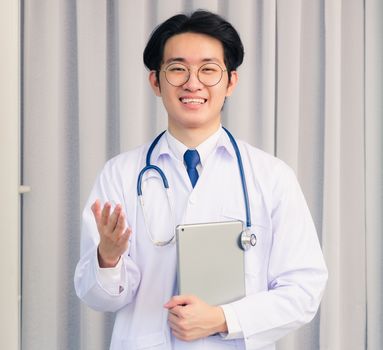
x,y
193,100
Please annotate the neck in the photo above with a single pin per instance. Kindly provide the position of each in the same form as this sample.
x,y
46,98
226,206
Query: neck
x,y
192,137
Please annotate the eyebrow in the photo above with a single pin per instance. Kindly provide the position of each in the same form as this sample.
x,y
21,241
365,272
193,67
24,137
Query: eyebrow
x,y
181,59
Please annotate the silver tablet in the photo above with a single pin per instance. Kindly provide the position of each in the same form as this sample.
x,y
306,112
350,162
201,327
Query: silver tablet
x,y
211,262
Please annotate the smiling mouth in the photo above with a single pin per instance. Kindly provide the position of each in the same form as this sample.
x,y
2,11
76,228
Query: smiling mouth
x,y
195,101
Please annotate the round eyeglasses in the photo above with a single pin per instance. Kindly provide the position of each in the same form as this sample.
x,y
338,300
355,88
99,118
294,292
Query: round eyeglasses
x,y
178,74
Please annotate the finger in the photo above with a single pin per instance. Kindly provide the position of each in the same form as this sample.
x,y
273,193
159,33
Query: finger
x,y
178,335
176,311
172,318
113,219
96,211
174,325
179,325
124,238
128,232
120,225
105,213
180,300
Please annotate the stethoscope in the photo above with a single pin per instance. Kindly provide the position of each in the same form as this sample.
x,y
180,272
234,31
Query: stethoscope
x,y
246,238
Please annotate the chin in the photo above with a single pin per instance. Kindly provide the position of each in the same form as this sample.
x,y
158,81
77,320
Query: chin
x,y
194,121
199,124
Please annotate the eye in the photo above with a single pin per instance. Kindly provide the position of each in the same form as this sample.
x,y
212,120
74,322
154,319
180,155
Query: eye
x,y
176,68
209,69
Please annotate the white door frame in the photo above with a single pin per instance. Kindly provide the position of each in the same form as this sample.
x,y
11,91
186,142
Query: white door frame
x,y
10,174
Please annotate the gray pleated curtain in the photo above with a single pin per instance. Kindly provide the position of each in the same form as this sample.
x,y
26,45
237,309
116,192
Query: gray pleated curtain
x,y
309,92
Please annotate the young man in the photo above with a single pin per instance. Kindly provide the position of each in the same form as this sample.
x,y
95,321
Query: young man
x,y
128,255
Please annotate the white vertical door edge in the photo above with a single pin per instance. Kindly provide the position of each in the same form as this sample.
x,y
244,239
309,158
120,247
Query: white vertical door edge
x,y
9,178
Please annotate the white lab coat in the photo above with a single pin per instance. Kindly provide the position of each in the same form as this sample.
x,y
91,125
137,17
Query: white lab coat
x,y
285,271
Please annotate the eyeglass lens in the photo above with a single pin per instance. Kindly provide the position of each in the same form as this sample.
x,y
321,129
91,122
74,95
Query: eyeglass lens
x,y
209,74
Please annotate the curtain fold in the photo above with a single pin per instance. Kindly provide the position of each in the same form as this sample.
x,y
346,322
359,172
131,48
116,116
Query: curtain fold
x,y
289,49
309,92
374,170
343,308
331,243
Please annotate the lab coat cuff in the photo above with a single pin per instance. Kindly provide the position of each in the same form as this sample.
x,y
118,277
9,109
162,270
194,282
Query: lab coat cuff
x,y
234,330
110,278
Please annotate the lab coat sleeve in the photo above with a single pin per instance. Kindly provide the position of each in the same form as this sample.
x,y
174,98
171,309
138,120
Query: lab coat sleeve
x,y
234,330
104,289
297,273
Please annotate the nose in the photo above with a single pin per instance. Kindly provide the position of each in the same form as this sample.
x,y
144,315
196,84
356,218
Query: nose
x,y
193,83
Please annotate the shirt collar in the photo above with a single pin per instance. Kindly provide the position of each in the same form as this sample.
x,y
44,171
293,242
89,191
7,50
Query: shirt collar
x,y
169,145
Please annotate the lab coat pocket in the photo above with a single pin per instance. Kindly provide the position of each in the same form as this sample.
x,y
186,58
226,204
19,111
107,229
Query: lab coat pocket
x,y
257,260
150,341
257,257
216,342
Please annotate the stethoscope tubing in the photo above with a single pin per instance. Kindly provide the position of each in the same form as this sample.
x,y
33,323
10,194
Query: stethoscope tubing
x,y
243,178
149,166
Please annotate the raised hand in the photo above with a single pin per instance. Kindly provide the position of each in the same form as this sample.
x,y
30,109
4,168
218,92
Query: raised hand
x,y
114,235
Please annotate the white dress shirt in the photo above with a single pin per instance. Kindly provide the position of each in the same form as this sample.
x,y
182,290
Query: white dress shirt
x,y
285,271
205,149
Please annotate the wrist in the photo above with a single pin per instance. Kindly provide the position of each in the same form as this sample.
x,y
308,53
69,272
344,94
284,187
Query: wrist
x,y
221,320
105,262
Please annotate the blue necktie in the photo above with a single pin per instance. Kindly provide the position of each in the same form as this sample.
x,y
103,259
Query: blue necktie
x,y
191,158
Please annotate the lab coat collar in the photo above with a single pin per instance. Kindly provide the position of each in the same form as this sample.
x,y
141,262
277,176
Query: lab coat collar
x,y
224,143
162,149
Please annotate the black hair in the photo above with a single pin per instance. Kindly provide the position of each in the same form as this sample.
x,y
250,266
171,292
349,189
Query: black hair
x,y
200,22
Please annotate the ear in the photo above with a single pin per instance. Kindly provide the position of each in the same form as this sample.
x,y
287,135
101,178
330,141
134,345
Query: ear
x,y
233,83
154,83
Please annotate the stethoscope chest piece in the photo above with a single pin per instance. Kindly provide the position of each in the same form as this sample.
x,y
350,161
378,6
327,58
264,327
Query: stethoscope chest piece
x,y
247,240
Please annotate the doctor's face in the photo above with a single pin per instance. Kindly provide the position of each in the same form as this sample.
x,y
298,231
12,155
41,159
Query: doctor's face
x,y
191,63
